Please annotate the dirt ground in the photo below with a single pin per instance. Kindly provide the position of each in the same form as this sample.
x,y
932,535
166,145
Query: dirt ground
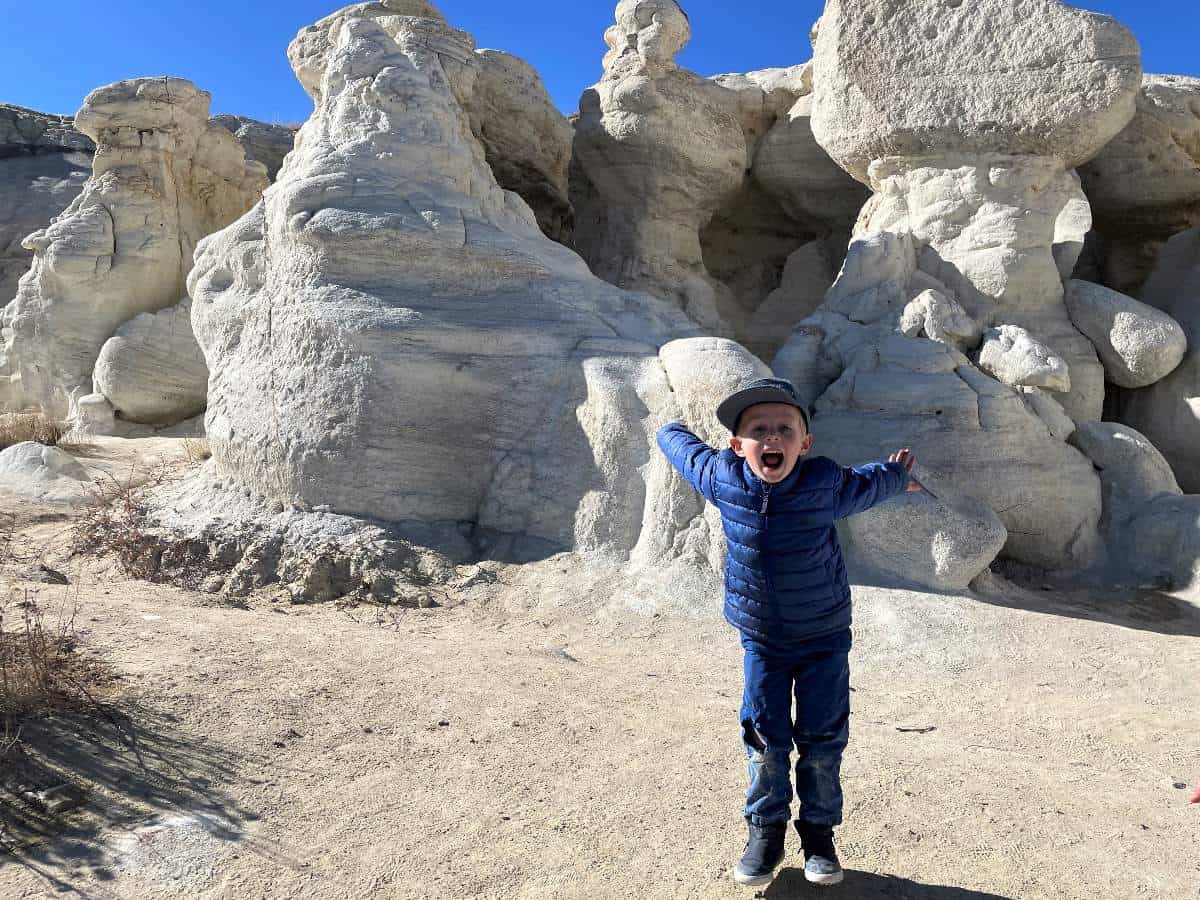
x,y
520,742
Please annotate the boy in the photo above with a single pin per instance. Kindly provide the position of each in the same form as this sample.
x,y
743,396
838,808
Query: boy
x,y
786,592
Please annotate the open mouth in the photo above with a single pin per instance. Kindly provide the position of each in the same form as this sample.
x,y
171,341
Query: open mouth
x,y
772,461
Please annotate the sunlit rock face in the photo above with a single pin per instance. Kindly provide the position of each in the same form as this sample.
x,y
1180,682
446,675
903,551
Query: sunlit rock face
x,y
662,150
959,257
391,335
704,190
163,177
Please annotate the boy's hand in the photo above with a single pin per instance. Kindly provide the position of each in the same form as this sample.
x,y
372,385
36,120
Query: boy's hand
x,y
905,458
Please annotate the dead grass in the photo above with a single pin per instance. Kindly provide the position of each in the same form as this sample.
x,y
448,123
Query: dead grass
x,y
41,670
196,450
115,522
16,428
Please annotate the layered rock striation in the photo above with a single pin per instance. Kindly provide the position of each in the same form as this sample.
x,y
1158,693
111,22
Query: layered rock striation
x,y
390,335
44,162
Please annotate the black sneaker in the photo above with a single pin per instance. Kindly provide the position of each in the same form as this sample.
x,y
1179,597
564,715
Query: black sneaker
x,y
764,852
821,864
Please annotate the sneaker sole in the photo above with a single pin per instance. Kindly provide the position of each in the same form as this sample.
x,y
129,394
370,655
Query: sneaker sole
x,y
752,880
835,878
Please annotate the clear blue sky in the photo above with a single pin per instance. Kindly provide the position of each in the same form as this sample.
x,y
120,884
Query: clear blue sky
x,y
52,55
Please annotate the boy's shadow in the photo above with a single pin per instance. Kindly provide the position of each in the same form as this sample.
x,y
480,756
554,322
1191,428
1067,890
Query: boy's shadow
x,y
790,883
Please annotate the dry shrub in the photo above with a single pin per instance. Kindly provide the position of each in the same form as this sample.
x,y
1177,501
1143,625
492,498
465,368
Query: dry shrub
x,y
196,450
115,522
41,671
16,428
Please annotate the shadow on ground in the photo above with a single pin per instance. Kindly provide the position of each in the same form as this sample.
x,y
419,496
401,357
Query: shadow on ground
x,y
790,883
119,772
1053,594
1139,609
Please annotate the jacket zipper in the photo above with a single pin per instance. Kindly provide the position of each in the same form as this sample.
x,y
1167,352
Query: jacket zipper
x,y
766,558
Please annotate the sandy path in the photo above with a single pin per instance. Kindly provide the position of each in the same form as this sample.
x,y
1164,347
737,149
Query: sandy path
x,y
299,751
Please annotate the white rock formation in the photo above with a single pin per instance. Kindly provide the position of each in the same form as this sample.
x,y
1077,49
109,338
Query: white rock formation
x,y
163,178
526,140
924,540
940,318
44,163
796,170
972,161
975,437
152,371
807,274
975,201
391,336
777,242
1144,186
1168,412
662,149
43,473
1152,528
1137,344
1034,78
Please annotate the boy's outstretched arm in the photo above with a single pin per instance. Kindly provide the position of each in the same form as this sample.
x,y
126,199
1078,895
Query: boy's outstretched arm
x,y
693,458
865,486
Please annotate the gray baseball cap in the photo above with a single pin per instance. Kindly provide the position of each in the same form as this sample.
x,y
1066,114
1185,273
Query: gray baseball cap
x,y
764,390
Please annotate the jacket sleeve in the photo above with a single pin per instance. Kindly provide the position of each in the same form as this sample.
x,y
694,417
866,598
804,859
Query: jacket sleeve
x,y
694,459
865,486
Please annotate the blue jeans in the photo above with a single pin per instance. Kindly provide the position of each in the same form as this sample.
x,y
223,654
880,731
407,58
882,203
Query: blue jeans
x,y
818,676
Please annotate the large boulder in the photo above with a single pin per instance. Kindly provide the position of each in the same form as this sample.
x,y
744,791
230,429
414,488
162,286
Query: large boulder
x,y
390,336
163,178
1137,343
1152,529
1168,411
927,77
526,139
1144,185
44,163
151,370
922,539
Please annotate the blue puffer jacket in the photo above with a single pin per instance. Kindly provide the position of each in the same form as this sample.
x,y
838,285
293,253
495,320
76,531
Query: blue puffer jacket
x,y
785,580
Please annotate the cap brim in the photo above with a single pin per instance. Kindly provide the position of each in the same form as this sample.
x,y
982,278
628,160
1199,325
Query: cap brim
x,y
733,406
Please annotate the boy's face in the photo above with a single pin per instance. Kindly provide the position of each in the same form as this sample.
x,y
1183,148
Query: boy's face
x,y
771,437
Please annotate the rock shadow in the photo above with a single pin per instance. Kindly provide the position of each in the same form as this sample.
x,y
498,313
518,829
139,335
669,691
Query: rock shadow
x,y
1140,609
790,883
81,788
